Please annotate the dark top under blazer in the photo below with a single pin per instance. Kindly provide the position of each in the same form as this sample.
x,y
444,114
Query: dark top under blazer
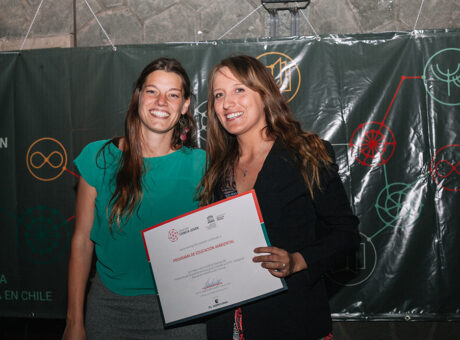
x,y
322,230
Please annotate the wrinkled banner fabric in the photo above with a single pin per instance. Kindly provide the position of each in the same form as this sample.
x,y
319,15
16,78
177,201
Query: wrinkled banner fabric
x,y
389,104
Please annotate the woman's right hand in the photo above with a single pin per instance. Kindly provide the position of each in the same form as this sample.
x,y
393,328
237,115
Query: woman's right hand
x,y
74,331
279,262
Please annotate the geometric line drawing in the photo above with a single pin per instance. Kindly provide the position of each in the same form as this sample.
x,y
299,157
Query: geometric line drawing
x,y
445,167
285,71
357,269
447,77
46,159
42,234
72,173
442,84
373,143
397,205
396,93
280,67
201,118
452,168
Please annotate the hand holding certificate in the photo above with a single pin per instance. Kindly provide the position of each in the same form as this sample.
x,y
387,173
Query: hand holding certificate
x,y
202,261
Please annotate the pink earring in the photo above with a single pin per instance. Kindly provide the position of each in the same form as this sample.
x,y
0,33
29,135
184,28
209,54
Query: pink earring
x,y
183,135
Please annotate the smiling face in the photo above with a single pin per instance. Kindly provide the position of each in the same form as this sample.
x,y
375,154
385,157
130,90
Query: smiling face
x,y
161,102
239,109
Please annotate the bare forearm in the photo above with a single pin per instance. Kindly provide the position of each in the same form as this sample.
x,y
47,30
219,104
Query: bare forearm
x,y
79,268
81,251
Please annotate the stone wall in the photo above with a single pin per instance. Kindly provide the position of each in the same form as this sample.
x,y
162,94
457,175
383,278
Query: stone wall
x,y
154,21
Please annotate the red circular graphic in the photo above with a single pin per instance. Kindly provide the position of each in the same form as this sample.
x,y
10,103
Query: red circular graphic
x,y
445,167
370,145
173,235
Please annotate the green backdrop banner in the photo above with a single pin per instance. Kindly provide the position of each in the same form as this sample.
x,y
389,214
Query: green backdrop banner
x,y
389,104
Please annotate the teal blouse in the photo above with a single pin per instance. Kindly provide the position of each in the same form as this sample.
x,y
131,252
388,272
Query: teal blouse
x,y
169,186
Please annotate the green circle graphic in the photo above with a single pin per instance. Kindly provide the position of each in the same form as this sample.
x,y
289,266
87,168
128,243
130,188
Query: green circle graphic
x,y
395,208
42,234
442,80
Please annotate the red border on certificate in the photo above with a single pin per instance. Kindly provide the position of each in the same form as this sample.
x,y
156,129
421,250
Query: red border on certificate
x,y
250,192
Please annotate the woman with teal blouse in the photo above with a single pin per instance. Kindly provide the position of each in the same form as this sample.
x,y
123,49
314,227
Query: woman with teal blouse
x,y
128,184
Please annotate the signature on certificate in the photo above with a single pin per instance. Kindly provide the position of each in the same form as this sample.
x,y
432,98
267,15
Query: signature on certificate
x,y
211,283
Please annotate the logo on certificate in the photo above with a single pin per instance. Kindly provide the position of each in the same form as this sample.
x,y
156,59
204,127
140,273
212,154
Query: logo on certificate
x,y
173,235
211,222
217,303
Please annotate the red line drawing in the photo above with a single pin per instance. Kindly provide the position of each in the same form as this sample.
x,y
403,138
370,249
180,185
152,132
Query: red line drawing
x,y
369,144
72,173
443,170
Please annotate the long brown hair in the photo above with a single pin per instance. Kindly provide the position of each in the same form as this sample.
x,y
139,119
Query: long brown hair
x,y
222,147
128,192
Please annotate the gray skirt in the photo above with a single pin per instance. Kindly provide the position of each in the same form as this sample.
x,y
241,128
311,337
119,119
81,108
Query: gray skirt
x,y
113,316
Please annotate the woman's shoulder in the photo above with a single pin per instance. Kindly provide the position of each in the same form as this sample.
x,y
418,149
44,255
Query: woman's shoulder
x,y
91,161
283,159
96,145
289,154
280,164
94,149
282,154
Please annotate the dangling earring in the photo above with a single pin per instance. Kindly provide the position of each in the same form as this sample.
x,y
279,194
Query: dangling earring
x,y
183,128
183,135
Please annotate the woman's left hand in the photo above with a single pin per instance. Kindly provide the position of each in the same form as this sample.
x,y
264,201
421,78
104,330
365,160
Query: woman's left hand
x,y
279,262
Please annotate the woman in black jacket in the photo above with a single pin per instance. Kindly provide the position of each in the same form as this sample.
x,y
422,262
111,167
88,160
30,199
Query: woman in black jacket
x,y
253,142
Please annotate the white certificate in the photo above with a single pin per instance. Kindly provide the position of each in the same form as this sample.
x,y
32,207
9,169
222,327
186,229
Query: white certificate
x,y
202,261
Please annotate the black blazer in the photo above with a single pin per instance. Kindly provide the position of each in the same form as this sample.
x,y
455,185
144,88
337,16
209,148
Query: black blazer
x,y
322,230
